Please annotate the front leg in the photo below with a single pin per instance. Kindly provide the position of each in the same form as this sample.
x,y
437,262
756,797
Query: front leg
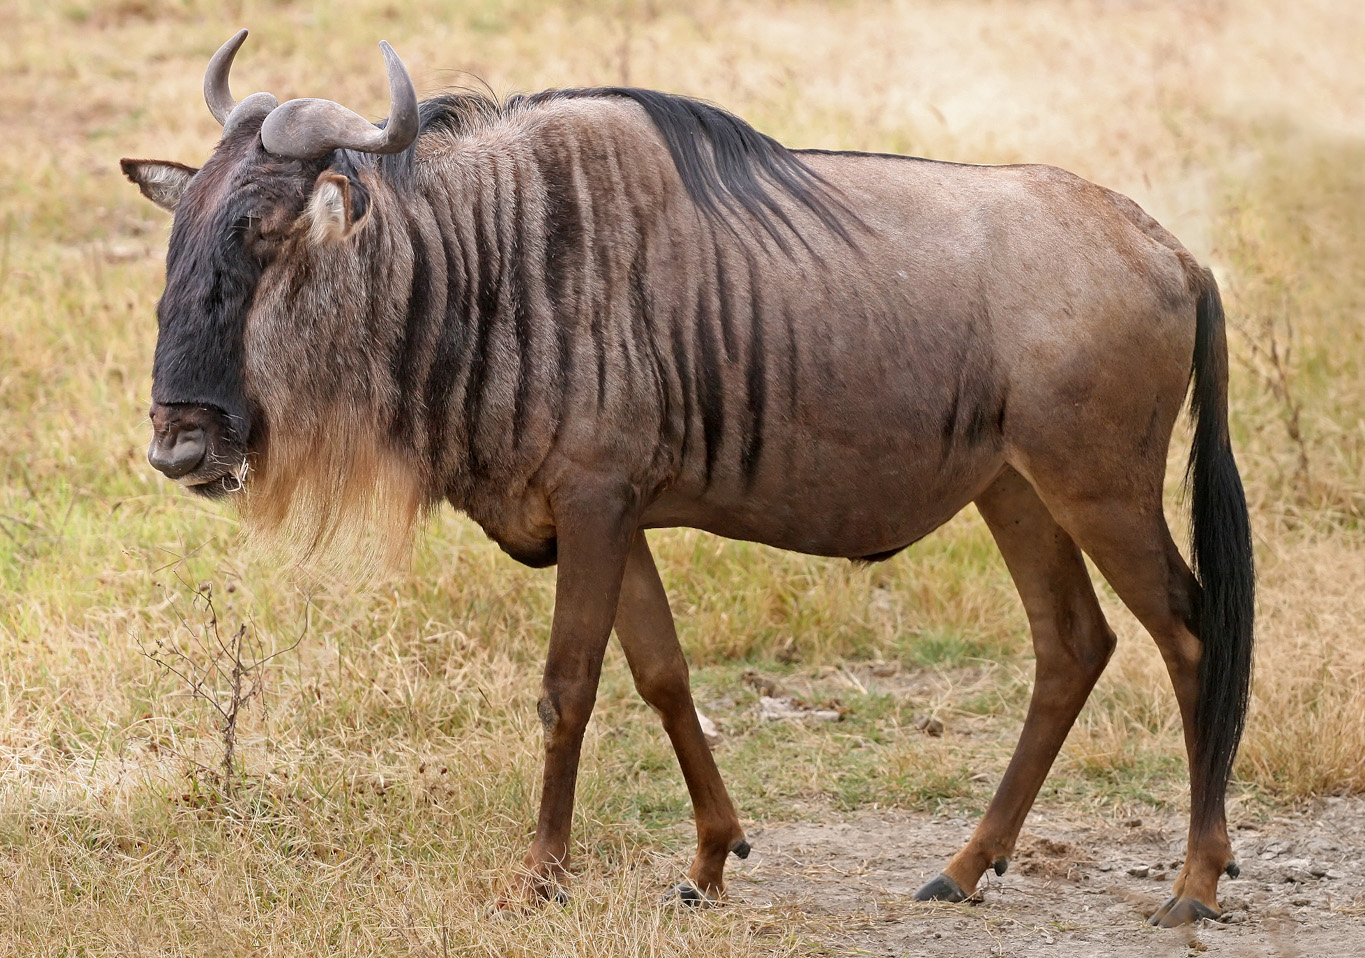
x,y
594,529
644,625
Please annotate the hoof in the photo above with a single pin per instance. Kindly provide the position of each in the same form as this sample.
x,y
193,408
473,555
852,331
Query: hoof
x,y
941,888
741,849
1232,870
1000,864
1181,911
690,895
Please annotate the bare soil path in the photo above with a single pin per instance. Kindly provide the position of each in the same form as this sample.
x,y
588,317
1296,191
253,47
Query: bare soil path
x,y
1076,887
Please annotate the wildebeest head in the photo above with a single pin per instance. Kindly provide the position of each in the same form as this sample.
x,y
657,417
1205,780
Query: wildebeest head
x,y
279,194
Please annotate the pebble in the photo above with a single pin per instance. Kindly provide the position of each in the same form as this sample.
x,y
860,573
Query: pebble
x,y
929,725
774,709
1298,870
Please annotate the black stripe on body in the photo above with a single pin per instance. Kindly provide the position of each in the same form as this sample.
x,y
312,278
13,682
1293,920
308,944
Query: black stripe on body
x,y
758,397
449,349
949,428
412,345
598,265
563,238
682,366
976,412
509,214
484,315
727,321
710,389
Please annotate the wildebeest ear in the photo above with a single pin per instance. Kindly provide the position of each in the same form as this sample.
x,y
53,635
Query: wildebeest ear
x,y
161,181
337,207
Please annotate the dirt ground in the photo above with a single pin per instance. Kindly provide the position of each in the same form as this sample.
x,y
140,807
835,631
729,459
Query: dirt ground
x,y
1075,887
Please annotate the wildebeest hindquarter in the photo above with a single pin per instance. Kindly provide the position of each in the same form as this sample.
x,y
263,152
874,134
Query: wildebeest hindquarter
x,y
583,314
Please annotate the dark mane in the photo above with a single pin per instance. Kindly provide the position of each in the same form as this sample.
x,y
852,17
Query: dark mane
x,y
459,113
726,165
742,167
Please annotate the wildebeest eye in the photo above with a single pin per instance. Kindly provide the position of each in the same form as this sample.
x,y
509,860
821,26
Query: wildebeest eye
x,y
247,227
256,234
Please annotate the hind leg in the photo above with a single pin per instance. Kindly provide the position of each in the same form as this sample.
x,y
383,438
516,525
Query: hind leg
x,y
1072,643
1129,541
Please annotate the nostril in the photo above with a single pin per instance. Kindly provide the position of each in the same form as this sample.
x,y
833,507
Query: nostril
x,y
178,452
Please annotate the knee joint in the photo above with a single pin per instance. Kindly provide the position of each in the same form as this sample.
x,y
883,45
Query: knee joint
x,y
1086,648
549,714
662,689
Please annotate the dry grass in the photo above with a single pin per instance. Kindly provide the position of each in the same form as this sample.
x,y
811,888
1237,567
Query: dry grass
x,y
389,773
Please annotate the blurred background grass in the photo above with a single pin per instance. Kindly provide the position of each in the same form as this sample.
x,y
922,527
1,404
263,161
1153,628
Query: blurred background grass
x,y
389,770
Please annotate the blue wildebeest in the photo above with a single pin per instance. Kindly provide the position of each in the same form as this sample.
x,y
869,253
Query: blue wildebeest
x,y
582,314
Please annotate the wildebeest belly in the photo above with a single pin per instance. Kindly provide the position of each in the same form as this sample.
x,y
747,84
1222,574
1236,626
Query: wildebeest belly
x,y
864,470
857,518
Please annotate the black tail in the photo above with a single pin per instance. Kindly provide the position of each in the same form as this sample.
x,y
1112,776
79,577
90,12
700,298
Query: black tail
x,y
1221,547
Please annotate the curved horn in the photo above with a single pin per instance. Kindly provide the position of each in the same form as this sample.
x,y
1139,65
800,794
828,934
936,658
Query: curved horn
x,y
216,92
307,129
